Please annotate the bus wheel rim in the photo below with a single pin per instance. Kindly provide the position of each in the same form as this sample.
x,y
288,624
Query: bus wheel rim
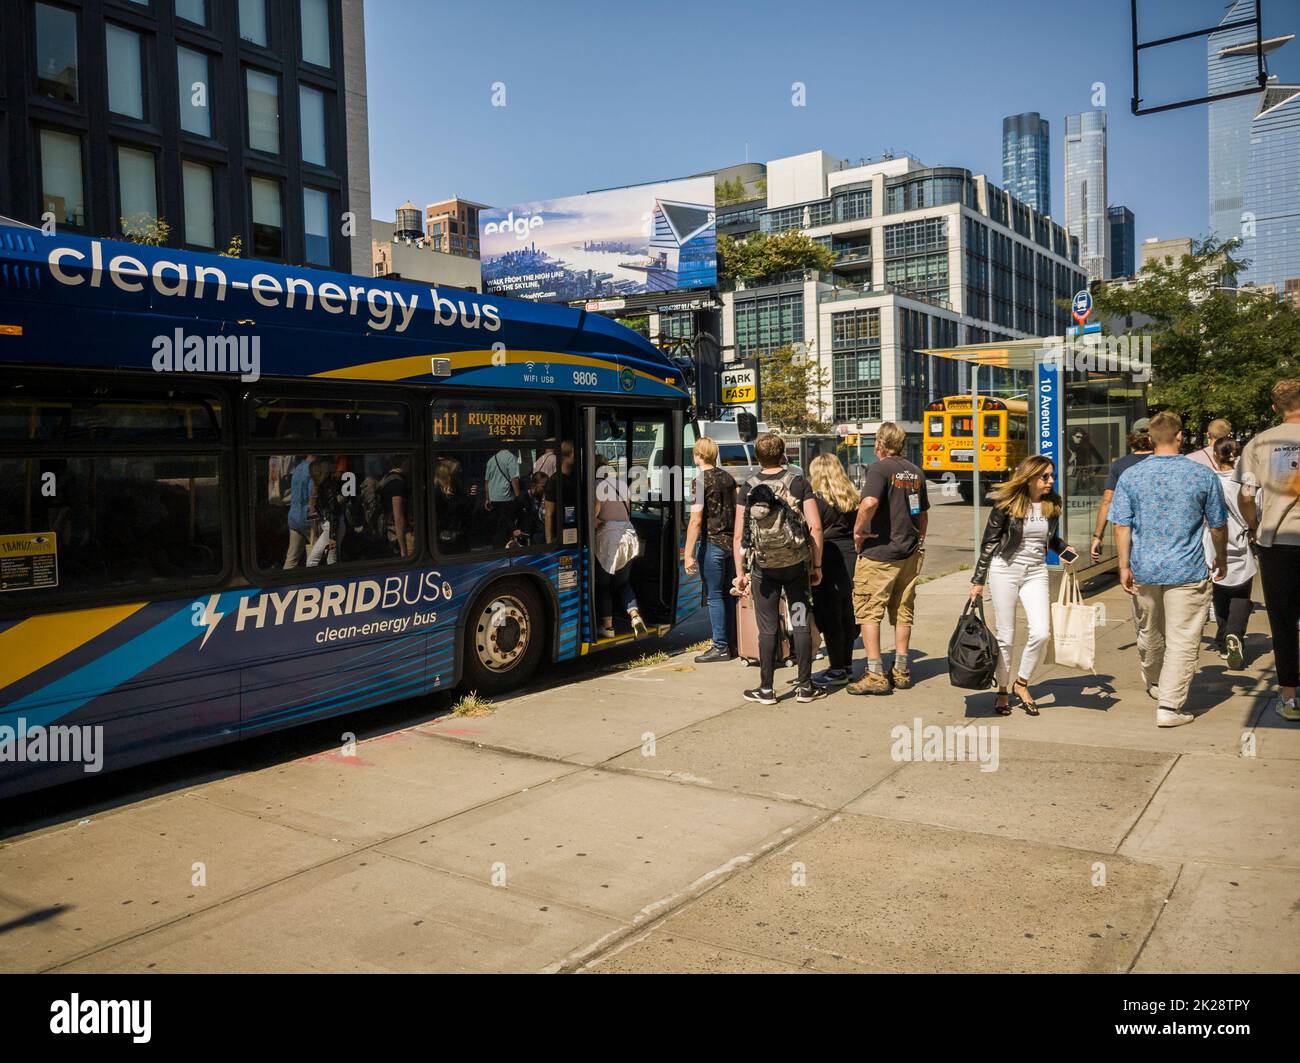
x,y
502,634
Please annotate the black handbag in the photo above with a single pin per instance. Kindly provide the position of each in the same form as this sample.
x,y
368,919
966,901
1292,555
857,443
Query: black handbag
x,y
972,650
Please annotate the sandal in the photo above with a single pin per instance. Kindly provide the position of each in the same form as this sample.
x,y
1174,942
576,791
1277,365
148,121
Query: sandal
x,y
1029,704
1002,703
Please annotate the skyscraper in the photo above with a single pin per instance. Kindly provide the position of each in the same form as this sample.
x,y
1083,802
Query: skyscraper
x,y
1232,63
1027,160
1085,190
1271,240
1122,251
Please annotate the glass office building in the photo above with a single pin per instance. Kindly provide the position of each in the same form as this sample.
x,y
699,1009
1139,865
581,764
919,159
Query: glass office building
x,y
1232,63
1272,191
1122,250
1085,190
1027,160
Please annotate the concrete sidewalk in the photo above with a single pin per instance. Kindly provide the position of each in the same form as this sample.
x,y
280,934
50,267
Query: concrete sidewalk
x,y
651,820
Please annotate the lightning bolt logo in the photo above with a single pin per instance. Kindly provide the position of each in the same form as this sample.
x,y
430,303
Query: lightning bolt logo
x,y
210,618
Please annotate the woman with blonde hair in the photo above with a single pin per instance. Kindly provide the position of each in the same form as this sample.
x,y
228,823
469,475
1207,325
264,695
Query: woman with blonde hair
x,y
837,503
1022,527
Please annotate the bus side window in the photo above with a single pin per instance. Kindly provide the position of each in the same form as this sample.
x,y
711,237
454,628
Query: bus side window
x,y
95,520
333,480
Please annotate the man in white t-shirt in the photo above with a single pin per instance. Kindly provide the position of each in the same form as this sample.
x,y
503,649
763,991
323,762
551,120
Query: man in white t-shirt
x,y
1269,474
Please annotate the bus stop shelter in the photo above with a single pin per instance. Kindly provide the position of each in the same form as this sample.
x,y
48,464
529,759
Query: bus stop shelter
x,y
1082,404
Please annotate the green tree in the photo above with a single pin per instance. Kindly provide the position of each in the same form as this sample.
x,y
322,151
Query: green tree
x,y
234,248
790,381
762,256
1215,352
145,229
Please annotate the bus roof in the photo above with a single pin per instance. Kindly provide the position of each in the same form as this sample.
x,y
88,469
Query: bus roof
x,y
76,301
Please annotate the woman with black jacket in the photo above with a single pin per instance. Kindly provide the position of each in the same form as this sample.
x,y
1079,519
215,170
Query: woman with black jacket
x,y
1022,527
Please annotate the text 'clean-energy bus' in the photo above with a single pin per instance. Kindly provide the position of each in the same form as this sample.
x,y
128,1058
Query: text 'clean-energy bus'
x,y
235,496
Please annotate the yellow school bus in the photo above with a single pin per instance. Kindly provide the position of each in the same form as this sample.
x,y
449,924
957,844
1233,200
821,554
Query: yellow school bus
x,y
948,447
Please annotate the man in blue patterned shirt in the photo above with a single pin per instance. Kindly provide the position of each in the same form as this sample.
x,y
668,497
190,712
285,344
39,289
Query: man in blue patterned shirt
x,y
1160,510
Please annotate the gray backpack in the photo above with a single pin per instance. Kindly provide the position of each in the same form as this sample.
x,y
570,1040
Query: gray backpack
x,y
778,536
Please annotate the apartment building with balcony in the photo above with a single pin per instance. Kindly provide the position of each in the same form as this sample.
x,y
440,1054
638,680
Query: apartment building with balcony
x,y
925,257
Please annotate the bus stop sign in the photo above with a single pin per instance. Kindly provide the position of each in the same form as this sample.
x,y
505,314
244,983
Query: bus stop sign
x,y
1082,307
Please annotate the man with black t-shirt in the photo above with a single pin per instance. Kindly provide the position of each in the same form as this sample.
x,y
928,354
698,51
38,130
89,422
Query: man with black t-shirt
x,y
784,548
889,534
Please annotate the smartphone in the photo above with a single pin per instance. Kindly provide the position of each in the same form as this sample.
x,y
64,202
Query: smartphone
x,y
1069,555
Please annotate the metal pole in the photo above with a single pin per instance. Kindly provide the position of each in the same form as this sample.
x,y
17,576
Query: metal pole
x,y
975,454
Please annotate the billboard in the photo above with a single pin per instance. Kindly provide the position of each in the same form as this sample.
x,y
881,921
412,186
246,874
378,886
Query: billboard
x,y
603,245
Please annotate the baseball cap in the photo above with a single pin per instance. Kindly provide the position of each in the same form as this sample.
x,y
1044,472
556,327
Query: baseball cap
x,y
1142,424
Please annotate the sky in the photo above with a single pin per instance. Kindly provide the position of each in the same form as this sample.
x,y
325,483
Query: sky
x,y
598,96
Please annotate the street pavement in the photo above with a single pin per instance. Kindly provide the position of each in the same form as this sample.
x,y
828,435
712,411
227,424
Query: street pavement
x,y
649,819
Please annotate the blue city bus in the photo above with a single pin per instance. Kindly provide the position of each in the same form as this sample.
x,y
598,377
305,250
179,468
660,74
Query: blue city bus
x,y
236,496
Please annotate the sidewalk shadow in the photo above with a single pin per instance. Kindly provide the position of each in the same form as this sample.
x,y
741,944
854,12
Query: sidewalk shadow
x,y
1066,692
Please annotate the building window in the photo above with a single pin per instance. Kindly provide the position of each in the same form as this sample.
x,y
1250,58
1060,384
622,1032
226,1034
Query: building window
x,y
311,107
61,183
137,190
268,224
315,32
200,225
263,111
195,91
764,324
125,76
252,21
195,11
316,225
856,328
56,52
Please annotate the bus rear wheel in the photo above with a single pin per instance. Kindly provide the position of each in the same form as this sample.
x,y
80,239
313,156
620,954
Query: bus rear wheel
x,y
966,490
505,637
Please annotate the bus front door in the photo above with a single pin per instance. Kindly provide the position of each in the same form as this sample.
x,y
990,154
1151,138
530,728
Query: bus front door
x,y
633,455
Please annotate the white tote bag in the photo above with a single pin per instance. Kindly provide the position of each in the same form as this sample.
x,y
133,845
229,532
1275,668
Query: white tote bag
x,y
1074,626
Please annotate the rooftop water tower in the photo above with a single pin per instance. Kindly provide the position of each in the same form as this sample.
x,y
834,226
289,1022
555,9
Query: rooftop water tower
x,y
409,224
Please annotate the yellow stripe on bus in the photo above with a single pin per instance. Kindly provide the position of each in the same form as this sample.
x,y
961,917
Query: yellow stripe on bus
x,y
32,644
420,364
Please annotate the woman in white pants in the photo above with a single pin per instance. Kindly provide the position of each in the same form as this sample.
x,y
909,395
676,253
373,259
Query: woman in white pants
x,y
1022,527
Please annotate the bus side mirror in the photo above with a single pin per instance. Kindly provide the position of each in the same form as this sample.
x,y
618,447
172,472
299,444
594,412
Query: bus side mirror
x,y
747,426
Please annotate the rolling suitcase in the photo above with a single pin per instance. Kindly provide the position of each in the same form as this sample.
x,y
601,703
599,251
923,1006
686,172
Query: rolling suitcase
x,y
747,632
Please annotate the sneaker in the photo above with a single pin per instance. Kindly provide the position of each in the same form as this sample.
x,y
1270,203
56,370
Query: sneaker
x,y
638,625
811,692
1172,718
1153,692
763,697
833,677
1234,656
901,680
1288,709
713,654
607,632
871,683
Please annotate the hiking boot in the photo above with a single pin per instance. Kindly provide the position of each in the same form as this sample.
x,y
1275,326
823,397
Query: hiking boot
x,y
1235,656
810,692
763,697
871,683
1288,709
901,680
713,654
1172,718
